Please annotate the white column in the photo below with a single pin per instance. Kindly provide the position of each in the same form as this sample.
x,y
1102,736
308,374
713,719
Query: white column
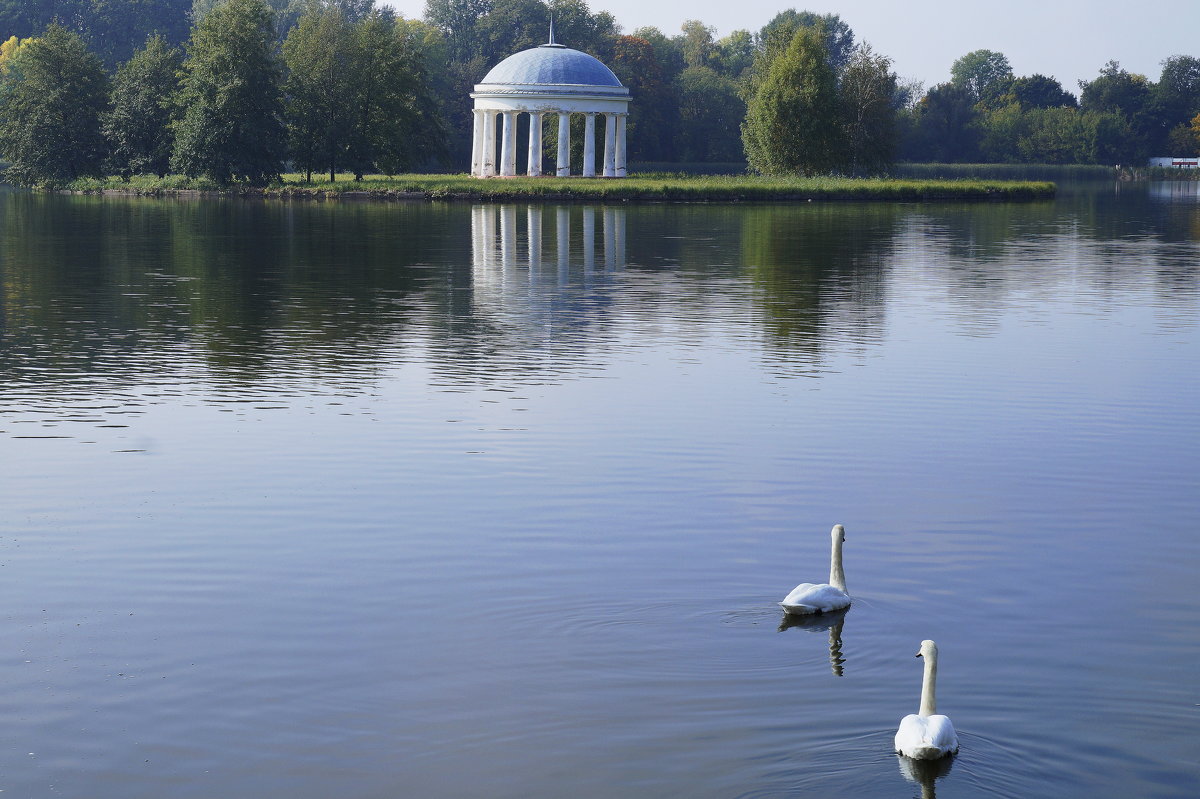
x,y
508,146
489,143
589,145
610,145
535,144
621,163
564,144
477,145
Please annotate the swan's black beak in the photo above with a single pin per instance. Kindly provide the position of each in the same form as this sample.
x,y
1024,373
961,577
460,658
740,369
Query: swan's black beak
x,y
917,655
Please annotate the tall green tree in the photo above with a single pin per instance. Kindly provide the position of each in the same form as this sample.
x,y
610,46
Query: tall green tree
x,y
232,123
699,47
947,126
1175,100
1178,87
866,100
1054,135
836,35
1115,89
984,75
792,119
395,123
1002,131
710,114
323,60
735,55
654,110
1039,91
456,19
1111,139
138,124
51,97
1129,95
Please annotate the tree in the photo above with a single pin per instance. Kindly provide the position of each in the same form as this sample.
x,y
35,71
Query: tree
x,y
322,74
422,48
1039,91
112,29
983,74
1184,139
1115,90
51,96
1128,95
456,19
143,103
1178,88
1175,100
394,118
8,49
710,116
655,101
866,100
287,13
791,120
735,55
1110,138
232,124
667,51
696,42
947,125
579,27
1054,135
836,36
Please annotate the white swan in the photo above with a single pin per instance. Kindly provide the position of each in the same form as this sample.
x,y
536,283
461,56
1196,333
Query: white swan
x,y
926,735
822,597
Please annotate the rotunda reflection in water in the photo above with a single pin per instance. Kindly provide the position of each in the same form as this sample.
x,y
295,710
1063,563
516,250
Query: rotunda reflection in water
x,y
508,239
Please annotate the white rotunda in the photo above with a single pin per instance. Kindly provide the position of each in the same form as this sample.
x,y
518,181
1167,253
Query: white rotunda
x,y
545,80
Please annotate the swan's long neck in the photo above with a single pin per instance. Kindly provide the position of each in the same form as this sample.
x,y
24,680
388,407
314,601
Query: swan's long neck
x,y
837,577
929,685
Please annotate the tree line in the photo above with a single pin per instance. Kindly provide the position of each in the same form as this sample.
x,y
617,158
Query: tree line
x,y
346,89
236,89
985,113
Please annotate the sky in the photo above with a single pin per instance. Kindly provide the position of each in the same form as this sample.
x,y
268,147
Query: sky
x,y
1070,40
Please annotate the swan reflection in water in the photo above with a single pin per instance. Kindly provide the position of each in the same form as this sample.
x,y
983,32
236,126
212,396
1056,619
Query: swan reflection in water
x,y
925,772
820,622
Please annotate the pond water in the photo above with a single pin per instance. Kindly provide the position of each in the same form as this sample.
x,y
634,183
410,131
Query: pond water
x,y
445,500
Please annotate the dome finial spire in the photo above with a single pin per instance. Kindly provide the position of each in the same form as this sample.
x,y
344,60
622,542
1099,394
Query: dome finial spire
x,y
552,43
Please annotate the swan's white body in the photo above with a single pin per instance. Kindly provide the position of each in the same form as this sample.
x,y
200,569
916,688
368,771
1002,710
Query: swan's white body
x,y
822,597
927,735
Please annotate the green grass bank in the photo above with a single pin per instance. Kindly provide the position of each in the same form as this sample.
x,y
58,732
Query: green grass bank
x,y
644,187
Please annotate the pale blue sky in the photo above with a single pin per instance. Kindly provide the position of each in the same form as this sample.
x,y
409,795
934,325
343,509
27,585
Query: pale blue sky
x,y
1066,39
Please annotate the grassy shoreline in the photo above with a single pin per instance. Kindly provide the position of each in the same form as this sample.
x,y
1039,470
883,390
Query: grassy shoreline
x,y
636,188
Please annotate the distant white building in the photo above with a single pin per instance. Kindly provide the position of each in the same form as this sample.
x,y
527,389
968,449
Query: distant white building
x,y
1176,163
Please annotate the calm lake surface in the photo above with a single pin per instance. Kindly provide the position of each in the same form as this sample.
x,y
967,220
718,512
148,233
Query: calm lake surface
x,y
317,500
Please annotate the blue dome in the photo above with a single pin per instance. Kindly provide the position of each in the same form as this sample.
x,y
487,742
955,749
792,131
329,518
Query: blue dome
x,y
552,64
